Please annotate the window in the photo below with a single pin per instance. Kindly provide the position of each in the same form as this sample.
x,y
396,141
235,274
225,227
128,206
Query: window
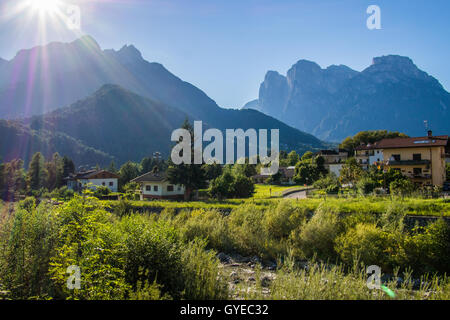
x,y
169,188
396,157
103,183
417,157
111,183
417,171
179,188
155,188
148,188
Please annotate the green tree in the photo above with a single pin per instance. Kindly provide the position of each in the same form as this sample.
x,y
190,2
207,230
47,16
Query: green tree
x,y
401,187
245,169
191,176
309,170
307,155
112,167
212,171
293,158
55,172
230,185
37,173
128,171
13,180
351,172
148,163
68,166
243,186
365,137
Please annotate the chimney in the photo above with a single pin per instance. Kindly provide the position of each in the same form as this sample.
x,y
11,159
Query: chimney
x,y
430,133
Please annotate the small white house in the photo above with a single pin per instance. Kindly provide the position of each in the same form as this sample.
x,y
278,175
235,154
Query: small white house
x,y
155,185
93,179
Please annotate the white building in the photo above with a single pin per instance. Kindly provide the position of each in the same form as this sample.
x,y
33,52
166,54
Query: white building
x,y
376,156
155,185
336,168
93,179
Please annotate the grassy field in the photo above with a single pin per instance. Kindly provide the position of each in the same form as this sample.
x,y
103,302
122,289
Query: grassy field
x,y
263,191
372,205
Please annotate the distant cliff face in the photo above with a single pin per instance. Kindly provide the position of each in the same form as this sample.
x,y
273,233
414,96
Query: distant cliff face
x,y
336,102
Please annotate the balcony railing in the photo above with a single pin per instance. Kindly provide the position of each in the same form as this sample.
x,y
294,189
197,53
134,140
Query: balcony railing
x,y
419,176
407,162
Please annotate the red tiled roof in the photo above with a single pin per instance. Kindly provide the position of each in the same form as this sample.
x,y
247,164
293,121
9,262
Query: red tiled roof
x,y
417,142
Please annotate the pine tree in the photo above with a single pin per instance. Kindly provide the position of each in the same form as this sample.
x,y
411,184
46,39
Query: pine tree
x,y
37,174
191,176
68,166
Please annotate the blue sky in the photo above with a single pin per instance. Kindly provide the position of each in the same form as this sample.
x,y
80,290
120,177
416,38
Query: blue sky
x,y
225,47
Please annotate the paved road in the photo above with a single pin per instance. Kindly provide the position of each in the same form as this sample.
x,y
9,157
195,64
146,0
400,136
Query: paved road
x,y
296,195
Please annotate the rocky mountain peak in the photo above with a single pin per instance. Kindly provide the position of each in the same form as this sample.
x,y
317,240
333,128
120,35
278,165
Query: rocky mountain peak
x,y
394,66
86,42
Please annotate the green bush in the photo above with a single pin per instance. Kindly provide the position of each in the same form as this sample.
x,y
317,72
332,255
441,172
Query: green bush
x,y
202,280
427,249
402,187
154,252
88,240
316,237
366,185
280,220
27,242
364,242
206,224
246,229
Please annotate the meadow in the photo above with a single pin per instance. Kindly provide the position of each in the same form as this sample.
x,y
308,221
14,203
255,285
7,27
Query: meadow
x,y
309,249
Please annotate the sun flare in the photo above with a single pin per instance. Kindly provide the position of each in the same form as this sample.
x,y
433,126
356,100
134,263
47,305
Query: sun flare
x,y
45,6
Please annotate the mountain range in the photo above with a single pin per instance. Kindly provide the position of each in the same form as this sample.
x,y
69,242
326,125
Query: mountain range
x,y
105,105
336,102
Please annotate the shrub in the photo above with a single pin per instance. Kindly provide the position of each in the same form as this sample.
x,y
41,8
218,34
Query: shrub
x,y
88,240
27,242
428,249
366,185
401,187
328,183
392,219
246,229
206,224
317,236
154,253
243,186
202,280
364,242
229,186
280,220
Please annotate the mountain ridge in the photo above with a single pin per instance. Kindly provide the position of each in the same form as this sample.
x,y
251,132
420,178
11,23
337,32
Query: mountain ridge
x,y
337,102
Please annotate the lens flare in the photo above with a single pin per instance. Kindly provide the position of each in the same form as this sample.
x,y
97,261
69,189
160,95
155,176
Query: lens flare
x,y
45,6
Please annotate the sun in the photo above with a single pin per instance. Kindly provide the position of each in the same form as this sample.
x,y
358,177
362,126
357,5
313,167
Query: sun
x,y
45,6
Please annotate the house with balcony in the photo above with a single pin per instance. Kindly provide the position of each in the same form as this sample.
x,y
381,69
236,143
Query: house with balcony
x,y
422,159
155,185
368,154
